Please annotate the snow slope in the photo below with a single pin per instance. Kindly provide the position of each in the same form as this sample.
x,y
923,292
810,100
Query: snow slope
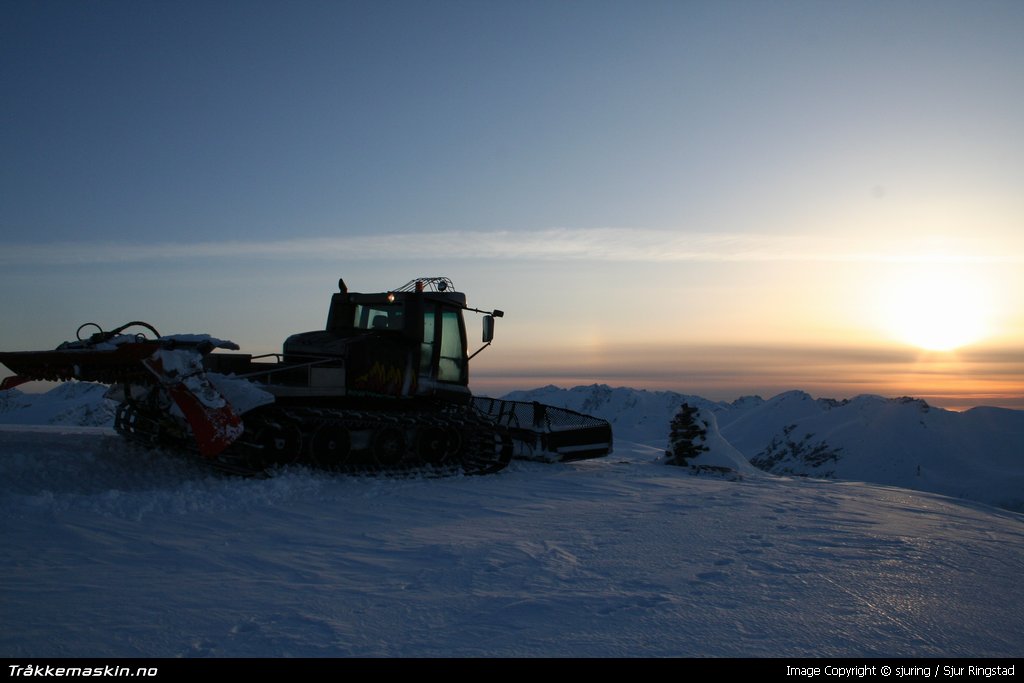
x,y
977,454
715,453
113,551
69,403
635,414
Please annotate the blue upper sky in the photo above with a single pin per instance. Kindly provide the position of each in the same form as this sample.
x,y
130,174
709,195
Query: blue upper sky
x,y
261,149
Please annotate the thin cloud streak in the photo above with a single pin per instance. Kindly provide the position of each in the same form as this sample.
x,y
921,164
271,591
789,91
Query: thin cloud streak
x,y
604,244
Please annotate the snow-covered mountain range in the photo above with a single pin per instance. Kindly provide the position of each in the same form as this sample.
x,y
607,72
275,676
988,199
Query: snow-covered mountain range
x,y
977,454
69,403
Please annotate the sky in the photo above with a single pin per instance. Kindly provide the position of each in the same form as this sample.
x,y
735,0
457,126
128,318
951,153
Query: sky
x,y
719,198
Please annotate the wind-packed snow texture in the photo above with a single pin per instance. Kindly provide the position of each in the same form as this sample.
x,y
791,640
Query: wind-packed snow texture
x,y
110,550
115,551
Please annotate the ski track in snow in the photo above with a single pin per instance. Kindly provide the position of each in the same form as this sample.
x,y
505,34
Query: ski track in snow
x,y
113,551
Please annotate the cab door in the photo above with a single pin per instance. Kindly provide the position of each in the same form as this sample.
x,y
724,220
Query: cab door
x,y
443,349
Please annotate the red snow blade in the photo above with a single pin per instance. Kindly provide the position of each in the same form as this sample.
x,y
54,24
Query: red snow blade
x,y
213,428
176,362
215,425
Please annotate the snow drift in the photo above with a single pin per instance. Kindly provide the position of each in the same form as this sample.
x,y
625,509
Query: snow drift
x,y
109,550
977,454
69,403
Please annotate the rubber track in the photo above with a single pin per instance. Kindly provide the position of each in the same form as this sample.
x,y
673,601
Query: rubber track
x,y
279,436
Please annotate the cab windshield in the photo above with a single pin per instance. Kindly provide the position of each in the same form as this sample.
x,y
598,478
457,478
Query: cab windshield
x,y
379,317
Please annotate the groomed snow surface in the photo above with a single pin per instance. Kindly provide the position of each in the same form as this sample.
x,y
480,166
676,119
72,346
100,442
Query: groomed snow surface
x,y
113,551
109,550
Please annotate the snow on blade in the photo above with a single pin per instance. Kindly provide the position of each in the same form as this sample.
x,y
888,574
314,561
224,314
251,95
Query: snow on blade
x,y
215,425
241,394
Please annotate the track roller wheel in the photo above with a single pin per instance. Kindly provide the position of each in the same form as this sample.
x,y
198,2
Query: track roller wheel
x,y
389,448
330,447
433,445
280,444
456,442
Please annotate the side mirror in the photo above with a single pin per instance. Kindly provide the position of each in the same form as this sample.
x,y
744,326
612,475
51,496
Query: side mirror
x,y
488,328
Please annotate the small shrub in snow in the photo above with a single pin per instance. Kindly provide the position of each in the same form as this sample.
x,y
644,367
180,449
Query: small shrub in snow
x,y
686,437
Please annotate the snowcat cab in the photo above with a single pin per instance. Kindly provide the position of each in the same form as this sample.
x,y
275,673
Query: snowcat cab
x,y
409,342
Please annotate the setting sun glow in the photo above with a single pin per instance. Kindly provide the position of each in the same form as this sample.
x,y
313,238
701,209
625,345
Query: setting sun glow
x,y
937,309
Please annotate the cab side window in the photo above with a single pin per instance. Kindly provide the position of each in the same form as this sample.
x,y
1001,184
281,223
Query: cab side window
x,y
443,339
452,365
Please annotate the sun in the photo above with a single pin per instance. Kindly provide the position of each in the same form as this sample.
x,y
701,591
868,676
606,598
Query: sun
x,y
936,307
